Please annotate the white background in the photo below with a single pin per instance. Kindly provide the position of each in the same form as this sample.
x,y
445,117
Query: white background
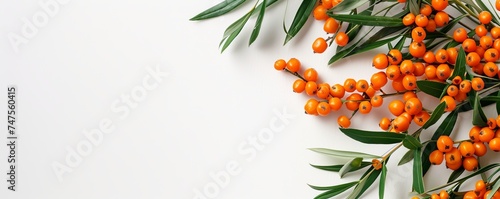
x,y
91,53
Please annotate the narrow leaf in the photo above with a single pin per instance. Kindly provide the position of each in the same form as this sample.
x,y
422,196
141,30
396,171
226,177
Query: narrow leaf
x,y
475,173
436,114
494,189
334,190
218,10
414,6
368,20
355,49
478,116
459,69
340,186
407,157
336,168
258,23
455,174
432,88
371,175
348,5
381,187
411,142
305,9
418,181
400,44
373,137
351,164
343,154
234,29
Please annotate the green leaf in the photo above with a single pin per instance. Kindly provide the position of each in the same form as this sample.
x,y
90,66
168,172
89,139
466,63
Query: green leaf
x,y
414,6
336,168
373,137
485,8
368,20
381,187
436,114
359,49
343,154
350,165
371,175
432,88
459,69
478,116
445,128
411,142
234,29
258,23
473,5
301,16
333,190
400,44
218,10
347,5
418,181
407,157
455,174
494,189
475,173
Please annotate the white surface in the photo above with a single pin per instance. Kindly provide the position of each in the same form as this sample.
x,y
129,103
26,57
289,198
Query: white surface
x,y
77,67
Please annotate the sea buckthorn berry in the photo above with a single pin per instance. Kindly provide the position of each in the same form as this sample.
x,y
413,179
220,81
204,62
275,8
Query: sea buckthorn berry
x,y
460,97
494,144
470,195
396,107
486,42
498,120
486,134
453,156
323,109
413,106
409,82
280,64
397,84
496,44
377,101
495,32
480,51
472,59
327,4
350,85
421,118
444,143
293,65
299,86
344,121
474,133
470,163
465,86
380,61
439,4
409,19
378,80
319,45
435,196
323,91
477,83
441,18
341,39
441,56
377,165
481,30
485,17
497,133
352,101
480,149
384,123
466,149
426,9
443,194
436,157
311,74
491,55
455,166
452,55
362,85
335,103
469,45
452,90
408,95
407,116
407,67
419,69
395,56
365,107
443,71
393,72
421,21
319,13
331,25
497,5
429,57
478,69
459,35
431,26
430,71
311,88
311,107
417,49
490,69
450,103
400,124
370,92
479,186
337,90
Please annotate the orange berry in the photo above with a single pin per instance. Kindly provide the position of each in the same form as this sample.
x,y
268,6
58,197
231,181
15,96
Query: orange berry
x,y
365,107
431,26
419,69
319,45
455,166
293,65
337,90
444,143
409,19
370,92
497,5
470,163
362,85
311,107
486,134
319,13
498,120
380,61
456,80
426,9
480,149
490,69
413,106
485,17
408,95
450,103
453,156
480,51
429,57
444,195
393,72
331,25
436,157
465,86
352,101
344,121
479,186
396,107
350,85
477,83
430,71
494,144
323,109
323,91
311,88
280,64
397,84
452,55
443,71
439,4
441,56
299,86
441,18
466,149
491,55
460,34
310,74
470,195
421,20
495,32
327,3
417,49
474,134
472,59
469,45
421,118
335,103
401,124
481,30
341,39
492,124
486,42
452,90
395,56
384,123
378,80
377,101
496,44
